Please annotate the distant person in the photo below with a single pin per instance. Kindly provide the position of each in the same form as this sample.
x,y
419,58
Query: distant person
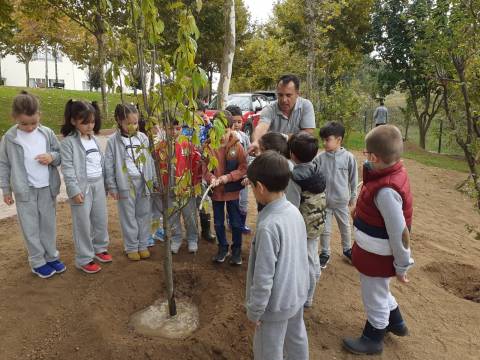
x,y
288,115
277,275
380,116
340,169
29,157
83,169
382,219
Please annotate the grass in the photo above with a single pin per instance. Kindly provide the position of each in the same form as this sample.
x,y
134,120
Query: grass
x,y
52,105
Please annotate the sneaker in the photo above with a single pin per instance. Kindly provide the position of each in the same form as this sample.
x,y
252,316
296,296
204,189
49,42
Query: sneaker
x,y
58,266
150,241
134,256
308,304
144,254
44,271
104,257
174,248
324,259
348,255
192,247
221,255
159,235
90,268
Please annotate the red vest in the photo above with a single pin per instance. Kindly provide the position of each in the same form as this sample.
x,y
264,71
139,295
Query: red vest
x,y
369,220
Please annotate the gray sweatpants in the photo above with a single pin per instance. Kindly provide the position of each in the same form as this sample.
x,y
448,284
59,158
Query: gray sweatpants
x,y
189,214
243,200
273,339
314,269
37,218
90,233
342,215
135,217
378,301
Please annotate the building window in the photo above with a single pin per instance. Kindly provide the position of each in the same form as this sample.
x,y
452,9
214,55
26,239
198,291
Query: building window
x,y
36,82
40,56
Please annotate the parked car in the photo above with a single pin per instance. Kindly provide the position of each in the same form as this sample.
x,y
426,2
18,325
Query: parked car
x,y
271,95
250,103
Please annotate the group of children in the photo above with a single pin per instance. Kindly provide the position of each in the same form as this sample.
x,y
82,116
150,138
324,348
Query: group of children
x,y
297,190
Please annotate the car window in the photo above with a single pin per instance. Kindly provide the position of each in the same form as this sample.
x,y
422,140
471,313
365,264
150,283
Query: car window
x,y
256,103
213,104
243,102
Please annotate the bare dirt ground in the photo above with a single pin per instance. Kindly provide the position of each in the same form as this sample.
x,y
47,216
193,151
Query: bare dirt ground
x,y
80,316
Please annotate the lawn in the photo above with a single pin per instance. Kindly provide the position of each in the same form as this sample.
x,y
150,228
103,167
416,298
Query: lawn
x,y
52,105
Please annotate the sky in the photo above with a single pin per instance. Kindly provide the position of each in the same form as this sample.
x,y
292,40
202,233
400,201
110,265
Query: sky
x,y
260,10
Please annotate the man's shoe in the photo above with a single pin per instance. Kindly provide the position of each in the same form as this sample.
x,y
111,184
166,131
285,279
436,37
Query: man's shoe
x,y
104,257
90,268
44,271
396,324
245,229
221,255
324,260
370,343
236,258
144,254
58,266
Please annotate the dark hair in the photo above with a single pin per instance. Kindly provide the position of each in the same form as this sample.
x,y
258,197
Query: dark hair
x,y
80,110
288,78
271,169
274,141
25,104
304,146
123,110
227,115
386,142
332,128
234,110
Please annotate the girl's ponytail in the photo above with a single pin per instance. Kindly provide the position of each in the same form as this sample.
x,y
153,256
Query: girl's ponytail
x,y
67,126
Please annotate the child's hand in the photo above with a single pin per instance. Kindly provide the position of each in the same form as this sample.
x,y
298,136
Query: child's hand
x,y
351,203
78,199
8,199
114,196
245,182
403,278
44,159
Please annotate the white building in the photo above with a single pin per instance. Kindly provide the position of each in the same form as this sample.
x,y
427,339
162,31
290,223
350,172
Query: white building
x,y
13,72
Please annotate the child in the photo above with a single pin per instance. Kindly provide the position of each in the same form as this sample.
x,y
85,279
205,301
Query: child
x,y
277,275
382,221
83,173
303,149
130,178
29,156
187,159
226,179
340,169
245,141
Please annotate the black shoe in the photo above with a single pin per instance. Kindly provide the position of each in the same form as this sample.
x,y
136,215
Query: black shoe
x,y
221,255
324,259
348,255
236,258
396,324
371,341
205,222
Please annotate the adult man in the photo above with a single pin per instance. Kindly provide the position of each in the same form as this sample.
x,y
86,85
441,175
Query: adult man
x,y
288,115
380,116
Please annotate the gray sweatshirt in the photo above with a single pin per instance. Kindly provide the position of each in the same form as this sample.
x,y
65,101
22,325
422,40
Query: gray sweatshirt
x,y
277,276
13,175
116,174
380,116
74,164
340,170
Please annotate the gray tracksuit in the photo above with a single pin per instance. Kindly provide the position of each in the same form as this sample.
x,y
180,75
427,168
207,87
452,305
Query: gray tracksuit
x,y
278,281
134,205
340,170
36,208
90,233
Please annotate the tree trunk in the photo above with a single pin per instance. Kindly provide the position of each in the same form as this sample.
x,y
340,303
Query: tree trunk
x,y
210,79
440,137
311,55
55,57
46,65
27,73
228,54
1,77
101,60
153,65
423,136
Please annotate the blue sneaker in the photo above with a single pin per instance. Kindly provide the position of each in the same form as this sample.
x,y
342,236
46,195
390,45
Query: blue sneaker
x,y
151,241
44,271
58,266
159,235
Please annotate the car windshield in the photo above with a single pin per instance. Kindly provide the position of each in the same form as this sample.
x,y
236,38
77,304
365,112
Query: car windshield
x,y
243,102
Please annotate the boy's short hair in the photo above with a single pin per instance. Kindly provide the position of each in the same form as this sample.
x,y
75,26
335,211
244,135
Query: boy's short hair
x,y
332,128
274,141
271,169
234,110
386,142
228,116
304,146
